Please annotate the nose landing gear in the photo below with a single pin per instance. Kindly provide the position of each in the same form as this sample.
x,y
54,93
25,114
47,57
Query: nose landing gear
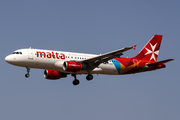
x,y
28,70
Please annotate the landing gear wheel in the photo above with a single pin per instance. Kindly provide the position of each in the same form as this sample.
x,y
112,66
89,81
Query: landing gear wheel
x,y
28,70
27,75
89,77
76,82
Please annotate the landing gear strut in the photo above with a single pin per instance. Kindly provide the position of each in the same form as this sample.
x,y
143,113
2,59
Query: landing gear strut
x,y
76,81
28,70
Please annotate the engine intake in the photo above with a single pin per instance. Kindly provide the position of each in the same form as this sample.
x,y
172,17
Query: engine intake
x,y
72,66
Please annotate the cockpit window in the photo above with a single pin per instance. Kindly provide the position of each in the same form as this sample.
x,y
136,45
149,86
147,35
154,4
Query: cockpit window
x,y
17,53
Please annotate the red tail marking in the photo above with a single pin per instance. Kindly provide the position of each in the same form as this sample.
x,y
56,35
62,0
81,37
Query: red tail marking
x,y
150,51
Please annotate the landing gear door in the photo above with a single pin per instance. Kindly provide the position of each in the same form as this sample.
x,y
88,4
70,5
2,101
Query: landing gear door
x,y
30,54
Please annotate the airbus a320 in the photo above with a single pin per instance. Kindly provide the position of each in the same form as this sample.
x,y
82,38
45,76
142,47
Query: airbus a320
x,y
59,64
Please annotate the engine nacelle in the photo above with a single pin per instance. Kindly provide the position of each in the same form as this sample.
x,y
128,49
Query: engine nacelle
x,y
53,74
72,66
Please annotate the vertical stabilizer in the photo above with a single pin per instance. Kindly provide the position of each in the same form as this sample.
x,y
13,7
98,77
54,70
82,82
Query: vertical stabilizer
x,y
150,51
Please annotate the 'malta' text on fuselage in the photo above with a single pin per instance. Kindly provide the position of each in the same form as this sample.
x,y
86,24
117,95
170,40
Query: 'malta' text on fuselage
x,y
52,54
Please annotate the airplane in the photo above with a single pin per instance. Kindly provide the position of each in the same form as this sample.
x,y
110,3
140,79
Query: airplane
x,y
59,64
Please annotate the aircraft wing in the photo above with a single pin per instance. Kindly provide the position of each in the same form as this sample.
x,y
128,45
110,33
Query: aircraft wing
x,y
95,61
159,63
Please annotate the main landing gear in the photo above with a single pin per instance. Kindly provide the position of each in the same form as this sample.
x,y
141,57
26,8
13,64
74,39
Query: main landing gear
x,y
76,81
28,70
89,77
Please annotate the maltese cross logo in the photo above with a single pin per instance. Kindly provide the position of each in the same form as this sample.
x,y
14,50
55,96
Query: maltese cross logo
x,y
152,51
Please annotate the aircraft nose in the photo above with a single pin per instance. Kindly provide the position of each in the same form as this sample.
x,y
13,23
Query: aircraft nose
x,y
11,59
8,59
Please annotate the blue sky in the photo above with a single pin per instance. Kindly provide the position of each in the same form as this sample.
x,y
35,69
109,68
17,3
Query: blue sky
x,y
96,26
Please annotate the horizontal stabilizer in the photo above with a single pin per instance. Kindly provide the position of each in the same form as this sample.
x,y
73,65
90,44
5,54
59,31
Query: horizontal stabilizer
x,y
159,63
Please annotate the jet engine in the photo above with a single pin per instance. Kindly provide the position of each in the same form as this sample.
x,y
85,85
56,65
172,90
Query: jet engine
x,y
53,74
72,66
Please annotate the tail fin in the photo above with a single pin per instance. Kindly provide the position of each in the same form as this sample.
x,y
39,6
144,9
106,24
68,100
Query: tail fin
x,y
150,51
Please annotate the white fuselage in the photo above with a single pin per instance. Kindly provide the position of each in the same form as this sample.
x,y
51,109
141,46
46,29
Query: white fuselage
x,y
50,59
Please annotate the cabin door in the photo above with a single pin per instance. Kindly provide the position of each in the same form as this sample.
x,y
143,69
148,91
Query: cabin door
x,y
30,53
